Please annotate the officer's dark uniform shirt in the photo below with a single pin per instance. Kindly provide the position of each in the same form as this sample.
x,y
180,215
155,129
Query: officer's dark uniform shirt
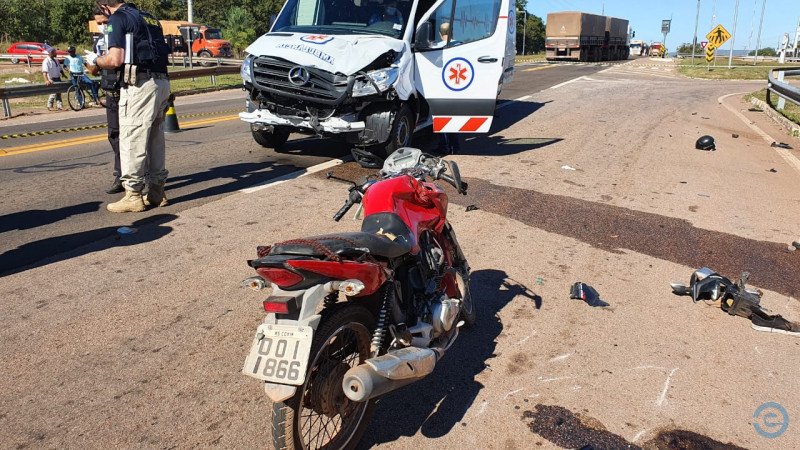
x,y
128,20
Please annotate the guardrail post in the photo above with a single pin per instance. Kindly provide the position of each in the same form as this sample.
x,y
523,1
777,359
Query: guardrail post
x,y
781,100
213,80
6,108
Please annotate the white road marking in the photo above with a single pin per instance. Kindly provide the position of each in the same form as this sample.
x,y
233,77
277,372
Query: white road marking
x,y
561,357
512,393
295,175
663,397
650,367
566,83
523,98
547,380
784,153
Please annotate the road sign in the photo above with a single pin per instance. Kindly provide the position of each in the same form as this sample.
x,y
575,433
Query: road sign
x,y
710,49
718,36
665,25
704,43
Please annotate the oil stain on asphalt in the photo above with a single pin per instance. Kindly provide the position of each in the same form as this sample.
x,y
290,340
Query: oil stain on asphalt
x,y
565,429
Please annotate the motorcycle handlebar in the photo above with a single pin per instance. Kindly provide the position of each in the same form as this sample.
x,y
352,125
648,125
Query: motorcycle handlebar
x,y
347,205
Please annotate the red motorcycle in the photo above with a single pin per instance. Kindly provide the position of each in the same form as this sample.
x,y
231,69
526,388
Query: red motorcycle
x,y
352,316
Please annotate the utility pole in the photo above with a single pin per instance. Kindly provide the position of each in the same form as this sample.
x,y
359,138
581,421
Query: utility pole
x,y
696,23
524,30
191,10
733,37
760,26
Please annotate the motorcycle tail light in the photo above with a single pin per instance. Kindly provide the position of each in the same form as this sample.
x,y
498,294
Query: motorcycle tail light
x,y
281,305
276,307
281,277
351,288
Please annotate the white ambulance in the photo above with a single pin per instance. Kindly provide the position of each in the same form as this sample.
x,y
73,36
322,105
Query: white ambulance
x,y
372,73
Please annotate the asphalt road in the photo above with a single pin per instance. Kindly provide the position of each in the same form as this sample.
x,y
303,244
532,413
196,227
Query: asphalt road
x,y
55,186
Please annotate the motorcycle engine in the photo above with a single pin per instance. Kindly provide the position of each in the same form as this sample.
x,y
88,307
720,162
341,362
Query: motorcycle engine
x,y
433,307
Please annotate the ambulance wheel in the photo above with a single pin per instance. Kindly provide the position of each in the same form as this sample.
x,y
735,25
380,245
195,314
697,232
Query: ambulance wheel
x,y
270,139
402,131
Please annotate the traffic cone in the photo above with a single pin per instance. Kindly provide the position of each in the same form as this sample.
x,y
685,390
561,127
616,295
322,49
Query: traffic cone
x,y
171,119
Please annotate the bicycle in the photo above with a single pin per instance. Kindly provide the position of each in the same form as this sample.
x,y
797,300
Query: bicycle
x,y
77,93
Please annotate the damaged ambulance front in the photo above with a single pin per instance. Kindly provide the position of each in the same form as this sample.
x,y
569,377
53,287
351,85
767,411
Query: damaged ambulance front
x,y
333,68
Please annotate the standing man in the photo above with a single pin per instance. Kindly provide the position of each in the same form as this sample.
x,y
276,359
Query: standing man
x,y
51,70
144,95
109,82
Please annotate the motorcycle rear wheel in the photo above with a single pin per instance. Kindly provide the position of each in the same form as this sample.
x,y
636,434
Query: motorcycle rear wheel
x,y
319,415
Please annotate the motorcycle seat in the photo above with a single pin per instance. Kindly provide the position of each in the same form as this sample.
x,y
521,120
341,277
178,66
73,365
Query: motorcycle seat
x,y
378,245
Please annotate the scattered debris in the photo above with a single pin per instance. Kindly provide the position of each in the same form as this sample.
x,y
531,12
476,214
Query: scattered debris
x,y
705,118
17,80
694,113
755,109
568,168
735,136
705,143
735,299
126,230
796,244
781,145
791,248
582,291
684,182
772,170
704,195
472,208
540,281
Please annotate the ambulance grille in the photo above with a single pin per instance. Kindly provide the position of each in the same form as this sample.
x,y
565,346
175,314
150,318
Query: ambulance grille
x,y
272,75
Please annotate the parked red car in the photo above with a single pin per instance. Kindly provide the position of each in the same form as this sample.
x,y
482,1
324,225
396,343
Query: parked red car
x,y
35,50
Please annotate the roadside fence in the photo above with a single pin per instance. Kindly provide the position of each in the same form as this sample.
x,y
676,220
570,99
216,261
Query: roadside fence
x,y
777,84
31,90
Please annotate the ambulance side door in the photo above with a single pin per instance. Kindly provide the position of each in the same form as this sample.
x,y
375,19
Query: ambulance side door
x,y
459,51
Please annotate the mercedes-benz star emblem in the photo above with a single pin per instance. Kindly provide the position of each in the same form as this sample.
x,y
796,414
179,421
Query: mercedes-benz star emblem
x,y
299,76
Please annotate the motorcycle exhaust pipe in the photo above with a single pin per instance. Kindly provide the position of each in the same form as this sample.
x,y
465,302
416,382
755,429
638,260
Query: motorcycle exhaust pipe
x,y
388,372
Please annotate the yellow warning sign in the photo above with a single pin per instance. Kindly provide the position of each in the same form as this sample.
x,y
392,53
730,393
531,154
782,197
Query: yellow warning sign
x,y
718,36
710,49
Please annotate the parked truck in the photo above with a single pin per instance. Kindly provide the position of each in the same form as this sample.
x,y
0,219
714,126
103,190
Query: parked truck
x,y
207,41
578,36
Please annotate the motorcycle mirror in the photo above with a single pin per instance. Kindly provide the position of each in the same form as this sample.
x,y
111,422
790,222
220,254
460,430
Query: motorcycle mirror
x,y
457,177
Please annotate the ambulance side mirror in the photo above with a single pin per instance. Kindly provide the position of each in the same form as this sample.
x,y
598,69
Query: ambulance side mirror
x,y
422,38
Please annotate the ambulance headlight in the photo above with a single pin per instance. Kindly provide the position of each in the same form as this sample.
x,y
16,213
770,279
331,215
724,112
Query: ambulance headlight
x,y
247,69
383,79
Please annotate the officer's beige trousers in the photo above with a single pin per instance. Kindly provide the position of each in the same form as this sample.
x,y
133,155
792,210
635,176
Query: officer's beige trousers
x,y
141,133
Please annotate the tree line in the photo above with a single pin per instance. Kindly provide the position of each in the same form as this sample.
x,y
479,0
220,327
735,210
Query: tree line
x,y
64,21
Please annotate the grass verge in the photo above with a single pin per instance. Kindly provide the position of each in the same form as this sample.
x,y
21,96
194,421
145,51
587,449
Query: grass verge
x,y
791,111
741,69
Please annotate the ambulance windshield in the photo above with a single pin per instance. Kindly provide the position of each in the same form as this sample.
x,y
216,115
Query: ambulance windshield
x,y
323,17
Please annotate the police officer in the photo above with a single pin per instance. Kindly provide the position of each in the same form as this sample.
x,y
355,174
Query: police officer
x,y
144,94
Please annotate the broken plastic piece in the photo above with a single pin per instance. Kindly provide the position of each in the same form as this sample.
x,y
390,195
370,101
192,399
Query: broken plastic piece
x,y
796,244
736,299
781,145
754,109
568,168
773,170
126,230
472,208
582,291
735,136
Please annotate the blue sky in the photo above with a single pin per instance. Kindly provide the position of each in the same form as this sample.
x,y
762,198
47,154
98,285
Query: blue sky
x,y
781,16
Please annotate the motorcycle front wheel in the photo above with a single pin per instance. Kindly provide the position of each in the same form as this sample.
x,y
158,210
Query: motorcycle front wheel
x,y
319,415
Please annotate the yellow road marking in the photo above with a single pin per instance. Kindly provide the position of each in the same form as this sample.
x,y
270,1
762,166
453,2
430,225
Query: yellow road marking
x,y
96,138
539,68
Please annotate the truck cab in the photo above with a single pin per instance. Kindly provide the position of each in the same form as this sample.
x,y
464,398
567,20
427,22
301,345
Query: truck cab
x,y
371,73
208,43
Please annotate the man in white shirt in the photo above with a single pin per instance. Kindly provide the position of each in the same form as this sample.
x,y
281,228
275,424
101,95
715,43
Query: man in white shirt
x,y
51,71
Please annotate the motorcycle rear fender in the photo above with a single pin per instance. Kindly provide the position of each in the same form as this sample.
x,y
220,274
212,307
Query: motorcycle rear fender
x,y
310,300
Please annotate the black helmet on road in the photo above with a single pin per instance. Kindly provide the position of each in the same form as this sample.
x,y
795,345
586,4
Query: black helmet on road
x,y
705,143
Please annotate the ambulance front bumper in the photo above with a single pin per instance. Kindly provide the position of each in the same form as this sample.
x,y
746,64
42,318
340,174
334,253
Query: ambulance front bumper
x,y
333,125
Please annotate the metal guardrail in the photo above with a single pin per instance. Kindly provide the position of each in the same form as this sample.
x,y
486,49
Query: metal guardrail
x,y
776,84
31,90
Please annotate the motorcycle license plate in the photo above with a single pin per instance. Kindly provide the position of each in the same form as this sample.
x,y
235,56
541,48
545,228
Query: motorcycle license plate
x,y
279,354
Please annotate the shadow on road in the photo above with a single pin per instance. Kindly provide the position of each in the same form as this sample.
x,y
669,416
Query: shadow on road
x,y
242,175
34,218
434,405
59,248
313,146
